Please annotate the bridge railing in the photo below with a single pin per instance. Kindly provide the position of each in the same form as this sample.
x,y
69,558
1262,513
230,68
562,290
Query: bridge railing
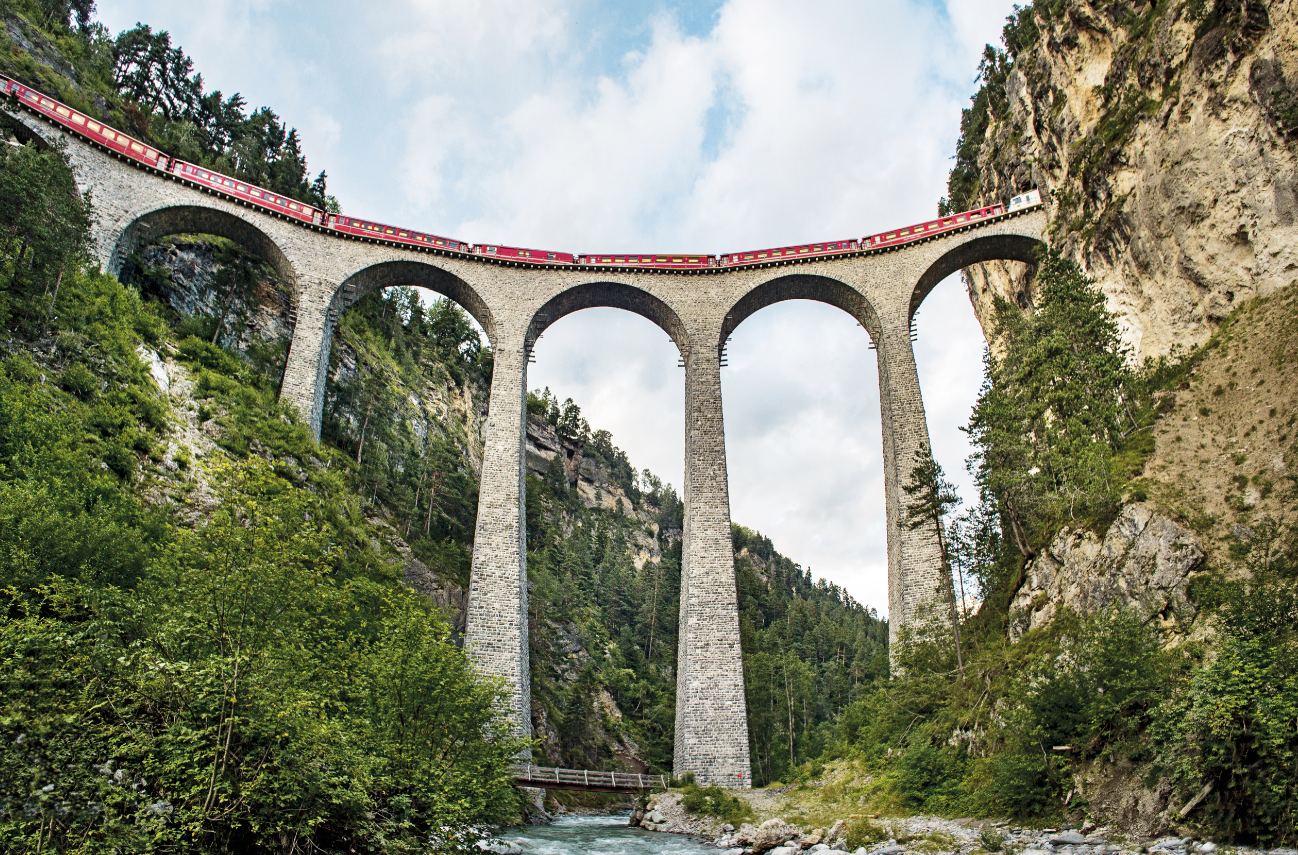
x,y
526,772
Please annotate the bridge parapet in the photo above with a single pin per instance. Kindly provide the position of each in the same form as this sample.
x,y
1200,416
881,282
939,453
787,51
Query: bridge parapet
x,y
550,778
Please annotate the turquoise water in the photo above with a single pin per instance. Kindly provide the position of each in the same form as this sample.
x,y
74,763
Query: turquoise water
x,y
601,835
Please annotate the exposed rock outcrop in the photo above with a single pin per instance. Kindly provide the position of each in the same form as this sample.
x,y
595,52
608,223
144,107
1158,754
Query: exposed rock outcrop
x,y
1143,562
1166,136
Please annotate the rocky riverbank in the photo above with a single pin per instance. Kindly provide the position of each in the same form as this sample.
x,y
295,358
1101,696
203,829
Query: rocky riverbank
x,y
915,835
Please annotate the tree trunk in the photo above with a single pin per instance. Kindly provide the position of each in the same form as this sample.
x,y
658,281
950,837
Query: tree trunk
x,y
364,427
57,284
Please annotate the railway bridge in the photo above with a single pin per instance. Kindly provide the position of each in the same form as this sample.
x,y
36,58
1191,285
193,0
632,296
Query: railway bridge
x,y
515,301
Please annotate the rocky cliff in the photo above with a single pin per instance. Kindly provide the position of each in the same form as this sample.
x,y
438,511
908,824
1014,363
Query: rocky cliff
x,y
1165,137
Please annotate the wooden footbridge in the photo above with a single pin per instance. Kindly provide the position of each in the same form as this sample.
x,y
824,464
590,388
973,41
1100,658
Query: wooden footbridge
x,y
527,775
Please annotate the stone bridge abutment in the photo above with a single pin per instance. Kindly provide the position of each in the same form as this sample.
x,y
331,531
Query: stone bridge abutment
x,y
514,303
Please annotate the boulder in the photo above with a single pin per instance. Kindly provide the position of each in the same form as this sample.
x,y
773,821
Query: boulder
x,y
837,833
1067,838
772,833
500,847
809,841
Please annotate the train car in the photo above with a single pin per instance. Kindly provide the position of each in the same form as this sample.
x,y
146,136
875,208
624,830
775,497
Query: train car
x,y
932,227
85,126
653,262
1026,200
533,256
784,253
251,193
366,228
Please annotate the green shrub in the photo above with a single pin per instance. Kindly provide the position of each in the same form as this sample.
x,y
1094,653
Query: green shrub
x,y
78,380
863,832
207,355
991,840
713,801
1234,726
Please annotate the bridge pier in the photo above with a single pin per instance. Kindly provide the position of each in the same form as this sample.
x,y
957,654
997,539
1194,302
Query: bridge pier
x,y
307,368
711,713
496,627
914,565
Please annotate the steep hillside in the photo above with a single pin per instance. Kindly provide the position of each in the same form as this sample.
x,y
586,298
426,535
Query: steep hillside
x,y
1166,137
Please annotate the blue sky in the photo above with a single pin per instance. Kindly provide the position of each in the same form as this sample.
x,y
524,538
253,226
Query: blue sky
x,y
655,127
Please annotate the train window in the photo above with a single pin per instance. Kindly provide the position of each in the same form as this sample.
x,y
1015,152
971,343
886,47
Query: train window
x,y
241,188
94,126
293,206
63,111
78,118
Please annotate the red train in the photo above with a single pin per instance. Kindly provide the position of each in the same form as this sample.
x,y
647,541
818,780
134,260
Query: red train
x,y
147,156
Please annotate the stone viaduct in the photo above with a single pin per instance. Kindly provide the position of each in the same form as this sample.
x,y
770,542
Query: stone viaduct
x,y
515,303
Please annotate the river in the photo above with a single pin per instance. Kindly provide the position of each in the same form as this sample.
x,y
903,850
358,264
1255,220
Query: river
x,y
601,835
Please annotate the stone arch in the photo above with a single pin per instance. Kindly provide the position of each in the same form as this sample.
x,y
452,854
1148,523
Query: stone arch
x,y
614,295
802,286
196,219
1003,247
415,274
27,129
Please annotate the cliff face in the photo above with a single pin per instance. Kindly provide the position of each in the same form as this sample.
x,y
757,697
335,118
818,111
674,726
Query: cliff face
x,y
1166,137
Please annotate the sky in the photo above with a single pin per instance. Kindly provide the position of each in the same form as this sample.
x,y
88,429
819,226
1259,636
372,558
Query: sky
x,y
654,127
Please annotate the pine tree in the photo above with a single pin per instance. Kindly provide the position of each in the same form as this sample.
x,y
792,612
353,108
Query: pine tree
x,y
931,498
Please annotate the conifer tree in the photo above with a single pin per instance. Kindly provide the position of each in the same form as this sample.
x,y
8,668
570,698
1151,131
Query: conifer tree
x,y
931,497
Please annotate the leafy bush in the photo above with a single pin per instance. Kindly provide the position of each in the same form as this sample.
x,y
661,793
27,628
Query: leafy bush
x,y
1234,727
713,801
246,694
